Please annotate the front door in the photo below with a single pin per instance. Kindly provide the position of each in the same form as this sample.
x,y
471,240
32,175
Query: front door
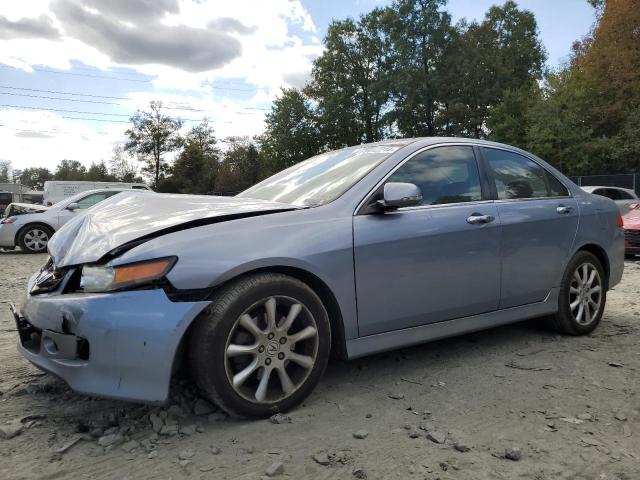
x,y
433,262
539,221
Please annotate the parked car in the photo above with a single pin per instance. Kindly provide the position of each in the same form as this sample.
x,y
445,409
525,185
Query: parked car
x,y
624,197
354,252
632,230
57,190
30,227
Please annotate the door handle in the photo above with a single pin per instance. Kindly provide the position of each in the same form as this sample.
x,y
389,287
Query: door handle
x,y
478,218
563,210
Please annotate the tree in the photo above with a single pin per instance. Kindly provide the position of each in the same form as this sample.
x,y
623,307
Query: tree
x,y
493,59
588,120
420,34
98,172
350,81
5,166
70,170
35,177
291,133
203,137
152,135
193,171
121,168
240,166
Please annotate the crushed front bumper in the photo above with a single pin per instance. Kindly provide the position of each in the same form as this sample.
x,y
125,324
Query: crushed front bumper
x,y
118,345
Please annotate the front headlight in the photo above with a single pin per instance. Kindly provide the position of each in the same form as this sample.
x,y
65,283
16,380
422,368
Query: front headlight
x,y
106,279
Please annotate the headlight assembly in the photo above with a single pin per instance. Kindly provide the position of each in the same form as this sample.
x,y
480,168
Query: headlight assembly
x,y
106,279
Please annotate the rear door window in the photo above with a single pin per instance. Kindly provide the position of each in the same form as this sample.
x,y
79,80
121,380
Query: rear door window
x,y
517,177
443,174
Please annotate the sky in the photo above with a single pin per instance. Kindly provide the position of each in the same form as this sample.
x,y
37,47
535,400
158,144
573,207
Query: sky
x,y
72,72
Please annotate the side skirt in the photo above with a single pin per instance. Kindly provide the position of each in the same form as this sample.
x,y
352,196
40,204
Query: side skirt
x,y
407,337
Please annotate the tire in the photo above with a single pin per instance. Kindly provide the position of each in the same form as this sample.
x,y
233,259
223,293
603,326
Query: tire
x,y
568,320
34,238
232,336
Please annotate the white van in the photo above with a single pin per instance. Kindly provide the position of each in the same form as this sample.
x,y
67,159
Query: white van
x,y
57,190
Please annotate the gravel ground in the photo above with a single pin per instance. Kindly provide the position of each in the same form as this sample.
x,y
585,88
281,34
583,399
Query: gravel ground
x,y
513,402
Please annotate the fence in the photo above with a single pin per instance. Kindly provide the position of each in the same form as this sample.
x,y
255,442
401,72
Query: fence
x,y
623,180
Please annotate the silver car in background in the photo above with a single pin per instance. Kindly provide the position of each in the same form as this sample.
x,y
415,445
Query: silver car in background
x,y
623,197
354,251
33,227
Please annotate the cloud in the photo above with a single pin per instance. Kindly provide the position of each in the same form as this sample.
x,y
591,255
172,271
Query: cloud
x,y
228,24
32,134
41,27
136,9
188,48
297,79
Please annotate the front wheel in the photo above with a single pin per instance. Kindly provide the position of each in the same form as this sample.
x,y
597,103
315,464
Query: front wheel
x,y
582,296
34,238
262,346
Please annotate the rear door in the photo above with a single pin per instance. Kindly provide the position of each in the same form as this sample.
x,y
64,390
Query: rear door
x,y
539,219
432,262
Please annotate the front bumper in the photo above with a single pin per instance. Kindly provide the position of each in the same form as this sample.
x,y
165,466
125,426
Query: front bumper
x,y
118,345
8,235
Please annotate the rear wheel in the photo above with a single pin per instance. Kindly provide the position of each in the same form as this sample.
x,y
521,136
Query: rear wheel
x,y
34,238
582,296
262,346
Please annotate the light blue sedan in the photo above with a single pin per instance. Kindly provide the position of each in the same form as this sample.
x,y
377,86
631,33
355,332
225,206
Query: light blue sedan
x,y
351,252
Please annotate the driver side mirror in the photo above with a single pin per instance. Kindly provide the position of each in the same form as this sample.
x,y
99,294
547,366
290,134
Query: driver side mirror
x,y
398,195
73,206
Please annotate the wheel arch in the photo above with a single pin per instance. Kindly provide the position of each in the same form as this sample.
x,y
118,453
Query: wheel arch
x,y
31,224
601,254
338,339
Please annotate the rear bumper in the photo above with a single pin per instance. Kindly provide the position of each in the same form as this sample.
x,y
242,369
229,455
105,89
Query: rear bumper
x,y
118,345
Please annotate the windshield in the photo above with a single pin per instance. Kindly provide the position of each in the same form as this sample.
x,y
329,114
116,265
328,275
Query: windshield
x,y
320,179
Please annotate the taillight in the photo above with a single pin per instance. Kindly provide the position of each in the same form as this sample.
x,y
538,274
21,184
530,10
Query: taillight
x,y
620,222
7,220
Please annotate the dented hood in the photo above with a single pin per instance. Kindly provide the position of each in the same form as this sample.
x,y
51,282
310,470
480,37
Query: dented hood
x,y
131,218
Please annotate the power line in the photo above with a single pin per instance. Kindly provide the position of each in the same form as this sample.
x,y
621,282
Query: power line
x,y
127,79
60,110
185,106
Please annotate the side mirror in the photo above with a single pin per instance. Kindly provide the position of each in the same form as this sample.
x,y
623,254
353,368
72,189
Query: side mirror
x,y
73,206
398,195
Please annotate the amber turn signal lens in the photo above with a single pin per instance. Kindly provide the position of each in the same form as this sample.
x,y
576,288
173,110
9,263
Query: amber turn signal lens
x,y
141,272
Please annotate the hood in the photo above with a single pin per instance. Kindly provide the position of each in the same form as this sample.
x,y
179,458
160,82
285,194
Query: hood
x,y
124,221
31,206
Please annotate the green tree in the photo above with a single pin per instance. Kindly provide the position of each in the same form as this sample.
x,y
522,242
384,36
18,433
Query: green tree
x,y
35,177
291,132
350,81
121,168
152,135
98,172
4,170
420,35
240,166
70,170
203,137
193,171
498,57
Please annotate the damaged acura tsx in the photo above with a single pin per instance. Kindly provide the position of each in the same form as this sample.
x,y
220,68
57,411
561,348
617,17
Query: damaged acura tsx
x,y
351,252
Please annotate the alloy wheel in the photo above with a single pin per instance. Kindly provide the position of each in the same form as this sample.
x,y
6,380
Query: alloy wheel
x,y
271,349
36,239
585,293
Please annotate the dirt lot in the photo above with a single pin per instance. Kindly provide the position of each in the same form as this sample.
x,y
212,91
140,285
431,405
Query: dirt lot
x,y
570,405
